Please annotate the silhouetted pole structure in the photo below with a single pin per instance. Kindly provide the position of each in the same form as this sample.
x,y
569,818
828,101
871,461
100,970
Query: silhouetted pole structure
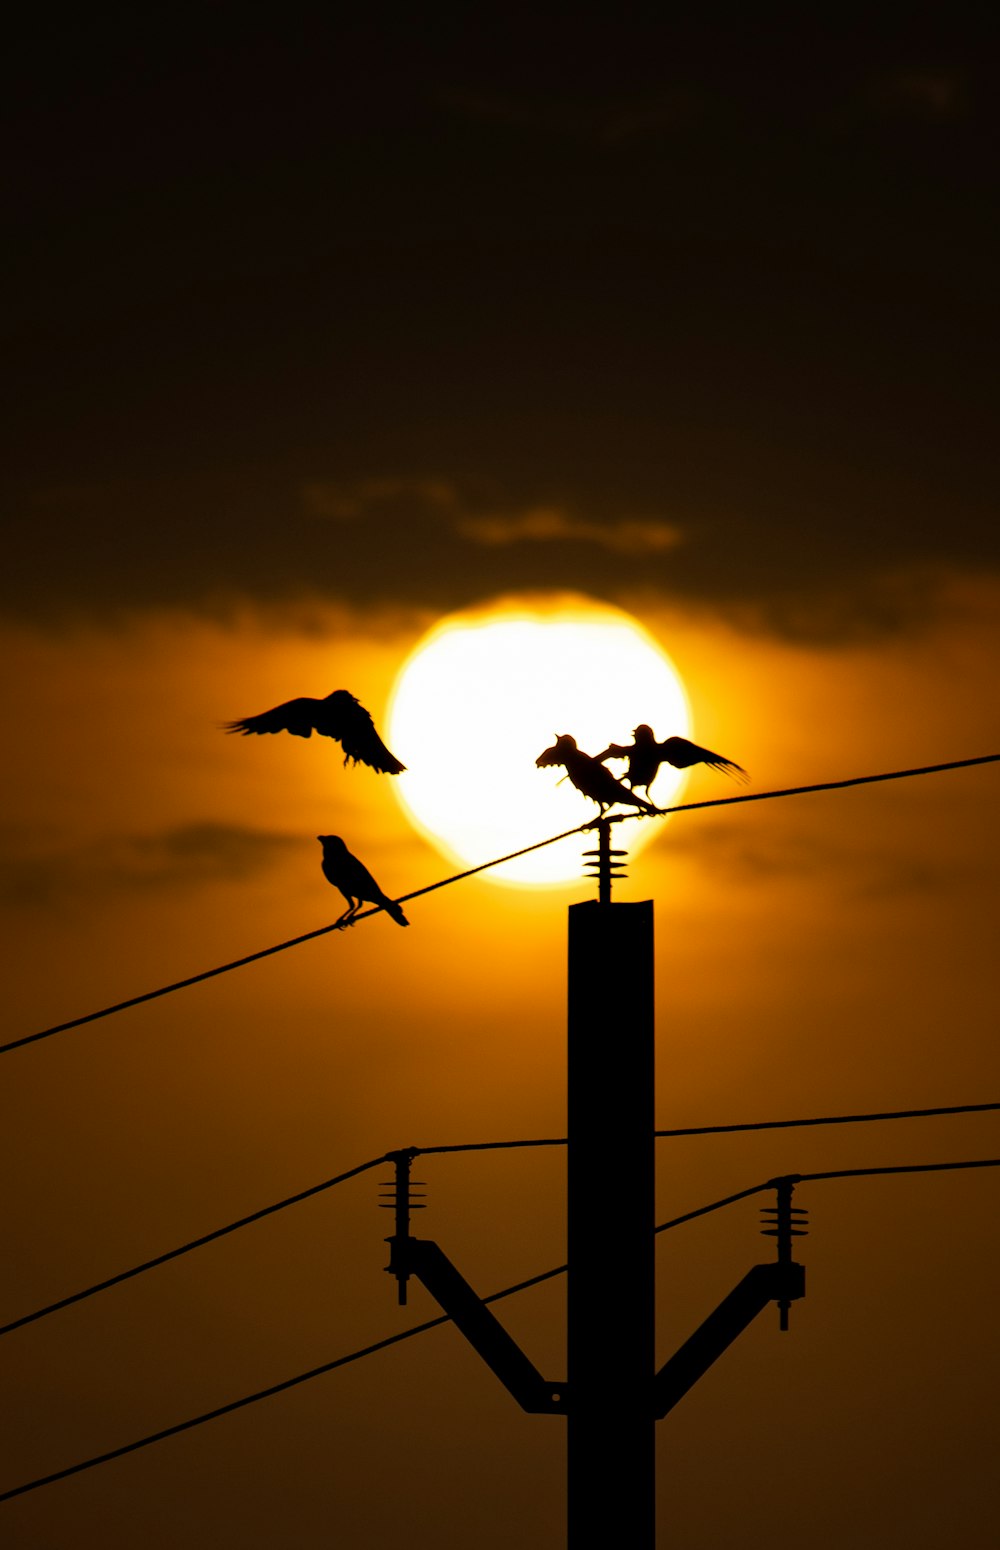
x,y
610,1223
613,1396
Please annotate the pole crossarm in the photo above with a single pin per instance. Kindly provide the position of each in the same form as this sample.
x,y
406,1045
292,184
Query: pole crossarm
x,y
777,1282
427,1261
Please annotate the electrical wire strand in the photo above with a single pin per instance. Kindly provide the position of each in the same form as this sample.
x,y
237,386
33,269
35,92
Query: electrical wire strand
x,y
485,866
421,1329
865,1173
268,1393
471,1146
719,1130
279,947
187,1248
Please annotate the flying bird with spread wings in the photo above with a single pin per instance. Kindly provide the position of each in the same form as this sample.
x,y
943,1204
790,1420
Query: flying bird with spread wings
x,y
646,755
344,871
339,716
589,776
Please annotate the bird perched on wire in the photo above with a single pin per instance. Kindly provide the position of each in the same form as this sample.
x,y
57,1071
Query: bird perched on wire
x,y
589,776
339,716
355,881
646,755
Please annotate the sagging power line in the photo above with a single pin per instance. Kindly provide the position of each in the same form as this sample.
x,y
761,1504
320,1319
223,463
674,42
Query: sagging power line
x,y
485,866
312,1190
420,1329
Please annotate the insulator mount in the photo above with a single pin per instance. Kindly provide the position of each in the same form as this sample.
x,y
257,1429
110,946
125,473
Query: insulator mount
x,y
783,1222
399,1196
604,863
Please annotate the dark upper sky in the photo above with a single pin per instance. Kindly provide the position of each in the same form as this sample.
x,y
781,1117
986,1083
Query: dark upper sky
x,y
402,314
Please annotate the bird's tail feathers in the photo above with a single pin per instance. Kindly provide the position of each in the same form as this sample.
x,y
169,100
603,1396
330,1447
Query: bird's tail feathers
x,y
392,908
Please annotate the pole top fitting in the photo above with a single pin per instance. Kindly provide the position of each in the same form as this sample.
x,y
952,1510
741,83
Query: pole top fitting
x,y
604,863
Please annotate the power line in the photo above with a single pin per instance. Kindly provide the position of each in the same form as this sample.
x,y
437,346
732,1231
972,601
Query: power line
x,y
718,1130
267,952
861,1173
420,1329
485,866
469,1146
830,1173
830,785
268,1393
832,1119
186,1248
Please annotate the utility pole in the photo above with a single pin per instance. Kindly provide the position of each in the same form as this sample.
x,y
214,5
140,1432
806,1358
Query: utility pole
x,y
610,1219
613,1395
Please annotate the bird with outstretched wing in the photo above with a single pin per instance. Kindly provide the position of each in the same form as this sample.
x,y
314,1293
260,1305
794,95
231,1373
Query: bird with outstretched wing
x,y
589,776
339,716
646,755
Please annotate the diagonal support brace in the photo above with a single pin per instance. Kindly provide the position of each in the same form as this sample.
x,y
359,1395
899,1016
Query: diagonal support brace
x,y
470,1315
782,1283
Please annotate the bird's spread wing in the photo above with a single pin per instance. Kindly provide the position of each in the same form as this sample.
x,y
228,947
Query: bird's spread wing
x,y
339,716
343,717
295,716
682,754
614,751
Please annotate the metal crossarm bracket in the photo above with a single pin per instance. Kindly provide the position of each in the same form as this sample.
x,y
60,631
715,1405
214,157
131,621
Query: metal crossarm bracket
x,y
428,1262
781,1283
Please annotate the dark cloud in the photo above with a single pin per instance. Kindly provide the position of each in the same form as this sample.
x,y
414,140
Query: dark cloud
x,y
420,543
382,501
383,318
928,93
547,524
36,873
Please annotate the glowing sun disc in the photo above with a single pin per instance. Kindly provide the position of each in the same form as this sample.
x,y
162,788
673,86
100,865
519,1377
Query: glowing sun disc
x,y
484,693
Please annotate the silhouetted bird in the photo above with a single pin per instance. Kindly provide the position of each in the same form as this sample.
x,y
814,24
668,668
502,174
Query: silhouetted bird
x,y
646,755
589,776
354,880
340,716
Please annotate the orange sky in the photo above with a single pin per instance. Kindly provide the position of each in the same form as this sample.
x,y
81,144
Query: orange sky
x,y
821,954
322,326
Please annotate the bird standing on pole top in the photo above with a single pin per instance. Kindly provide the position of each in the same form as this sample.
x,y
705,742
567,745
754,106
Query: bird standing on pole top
x,y
589,776
646,755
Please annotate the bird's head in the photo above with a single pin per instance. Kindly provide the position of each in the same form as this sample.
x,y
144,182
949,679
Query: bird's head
x,y
330,841
563,746
642,733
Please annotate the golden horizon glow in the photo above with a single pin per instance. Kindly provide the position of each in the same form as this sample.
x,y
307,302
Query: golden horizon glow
x,y
484,693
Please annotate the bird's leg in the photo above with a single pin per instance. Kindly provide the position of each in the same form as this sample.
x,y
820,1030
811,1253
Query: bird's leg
x,y
347,918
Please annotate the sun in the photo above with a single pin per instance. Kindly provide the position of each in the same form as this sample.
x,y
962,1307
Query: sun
x,y
485,692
